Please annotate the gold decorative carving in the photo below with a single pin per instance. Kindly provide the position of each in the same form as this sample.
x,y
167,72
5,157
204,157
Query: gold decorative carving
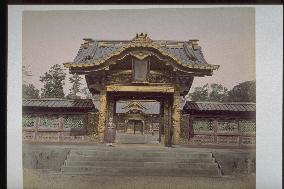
x,y
141,38
102,116
158,78
123,78
140,55
125,88
176,118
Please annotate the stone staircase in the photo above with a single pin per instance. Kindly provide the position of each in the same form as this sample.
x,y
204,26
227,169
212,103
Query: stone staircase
x,y
123,138
116,161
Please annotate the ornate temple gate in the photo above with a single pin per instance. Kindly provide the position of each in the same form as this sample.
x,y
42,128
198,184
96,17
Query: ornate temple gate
x,y
165,95
141,69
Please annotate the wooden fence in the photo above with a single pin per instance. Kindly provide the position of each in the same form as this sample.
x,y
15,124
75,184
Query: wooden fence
x,y
220,131
54,128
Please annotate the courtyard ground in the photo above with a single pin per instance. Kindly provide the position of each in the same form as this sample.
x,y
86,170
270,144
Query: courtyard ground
x,y
40,179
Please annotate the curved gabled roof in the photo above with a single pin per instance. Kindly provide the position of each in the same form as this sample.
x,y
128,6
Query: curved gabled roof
x,y
94,52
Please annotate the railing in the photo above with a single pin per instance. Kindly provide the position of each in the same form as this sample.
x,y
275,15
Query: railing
x,y
54,128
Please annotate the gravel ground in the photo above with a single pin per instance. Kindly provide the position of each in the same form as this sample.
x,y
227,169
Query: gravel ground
x,y
36,179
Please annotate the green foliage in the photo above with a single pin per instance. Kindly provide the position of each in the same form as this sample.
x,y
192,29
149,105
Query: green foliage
x,y
200,93
75,80
30,92
218,93
243,92
53,82
215,92
87,93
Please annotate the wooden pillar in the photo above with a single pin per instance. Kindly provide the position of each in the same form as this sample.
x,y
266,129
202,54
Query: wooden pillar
x,y
61,128
161,123
110,107
176,117
240,133
167,119
37,125
102,116
215,129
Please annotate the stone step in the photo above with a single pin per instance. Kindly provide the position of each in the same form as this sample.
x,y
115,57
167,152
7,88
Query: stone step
x,y
136,139
142,164
140,159
205,165
138,171
140,154
105,163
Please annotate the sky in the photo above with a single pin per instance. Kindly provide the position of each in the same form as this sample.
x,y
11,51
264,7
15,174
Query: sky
x,y
226,36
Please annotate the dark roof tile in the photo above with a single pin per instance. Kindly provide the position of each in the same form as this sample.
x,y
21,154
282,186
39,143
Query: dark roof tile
x,y
185,53
213,106
58,103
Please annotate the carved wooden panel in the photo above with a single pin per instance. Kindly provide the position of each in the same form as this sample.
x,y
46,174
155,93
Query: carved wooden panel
x,y
48,136
28,121
202,139
203,126
159,78
49,121
228,140
66,137
74,121
248,140
227,126
28,136
247,126
122,78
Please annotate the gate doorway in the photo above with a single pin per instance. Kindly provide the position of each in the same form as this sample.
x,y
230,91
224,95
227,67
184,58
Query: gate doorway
x,y
140,118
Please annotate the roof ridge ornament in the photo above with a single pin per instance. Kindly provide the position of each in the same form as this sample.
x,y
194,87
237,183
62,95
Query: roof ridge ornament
x,y
87,42
194,43
141,38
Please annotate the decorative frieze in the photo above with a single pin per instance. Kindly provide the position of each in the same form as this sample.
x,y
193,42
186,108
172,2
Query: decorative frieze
x,y
159,78
247,126
202,139
28,121
48,136
230,140
227,126
49,121
249,140
74,122
28,136
202,126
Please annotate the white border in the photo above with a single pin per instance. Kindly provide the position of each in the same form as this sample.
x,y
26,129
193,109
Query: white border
x,y
269,58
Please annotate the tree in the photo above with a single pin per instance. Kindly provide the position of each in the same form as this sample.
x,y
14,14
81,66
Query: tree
x,y
75,80
243,92
199,93
30,92
53,82
218,93
87,93
214,93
